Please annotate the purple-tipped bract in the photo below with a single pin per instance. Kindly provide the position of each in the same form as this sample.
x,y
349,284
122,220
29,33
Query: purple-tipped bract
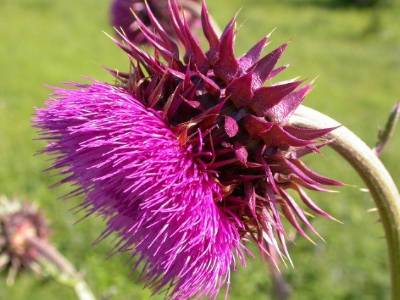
x,y
122,16
190,155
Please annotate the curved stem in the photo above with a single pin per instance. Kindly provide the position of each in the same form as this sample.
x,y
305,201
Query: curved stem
x,y
51,255
375,176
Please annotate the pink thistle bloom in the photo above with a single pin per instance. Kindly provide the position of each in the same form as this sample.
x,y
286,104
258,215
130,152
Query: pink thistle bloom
x,y
189,158
122,16
134,171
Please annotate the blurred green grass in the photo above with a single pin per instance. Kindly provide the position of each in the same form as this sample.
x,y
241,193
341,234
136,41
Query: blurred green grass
x,y
354,52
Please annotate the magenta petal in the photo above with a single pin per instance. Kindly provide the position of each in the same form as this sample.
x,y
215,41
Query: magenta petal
x,y
252,56
283,110
277,71
161,31
291,217
227,65
242,154
267,97
298,211
311,204
155,40
308,133
231,126
177,22
208,28
264,67
197,54
257,127
250,195
271,133
240,90
277,136
153,14
315,176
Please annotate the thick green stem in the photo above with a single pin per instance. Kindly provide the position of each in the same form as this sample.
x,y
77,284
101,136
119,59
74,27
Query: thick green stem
x,y
375,176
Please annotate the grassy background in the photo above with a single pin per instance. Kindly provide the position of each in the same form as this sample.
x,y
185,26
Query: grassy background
x,y
354,52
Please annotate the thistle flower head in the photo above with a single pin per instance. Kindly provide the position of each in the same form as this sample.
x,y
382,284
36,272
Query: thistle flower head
x,y
191,155
18,222
122,16
135,172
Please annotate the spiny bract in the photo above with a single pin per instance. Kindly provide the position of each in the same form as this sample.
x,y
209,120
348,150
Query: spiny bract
x,y
122,16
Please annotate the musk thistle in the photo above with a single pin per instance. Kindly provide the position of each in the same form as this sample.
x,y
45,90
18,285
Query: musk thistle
x,y
122,16
20,222
190,155
24,244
